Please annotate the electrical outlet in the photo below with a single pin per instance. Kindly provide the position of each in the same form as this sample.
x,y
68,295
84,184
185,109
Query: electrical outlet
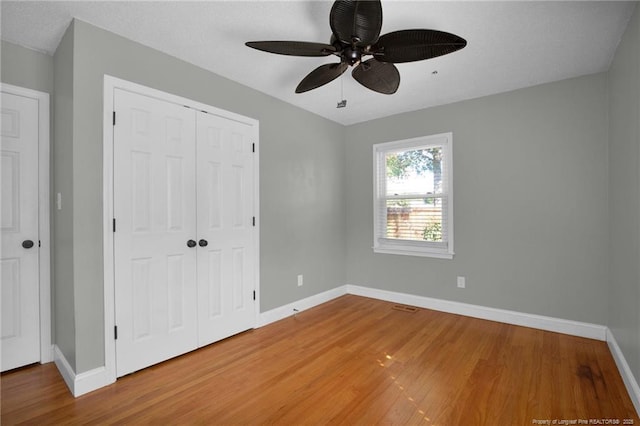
x,y
461,282
300,280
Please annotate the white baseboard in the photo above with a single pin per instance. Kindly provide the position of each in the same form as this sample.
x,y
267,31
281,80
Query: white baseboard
x,y
574,328
82,383
64,368
558,325
91,380
625,371
301,305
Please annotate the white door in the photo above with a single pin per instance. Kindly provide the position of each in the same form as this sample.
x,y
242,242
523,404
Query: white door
x,y
19,252
155,214
226,270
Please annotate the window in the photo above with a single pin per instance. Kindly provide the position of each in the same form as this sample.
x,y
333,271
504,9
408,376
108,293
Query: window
x,y
413,200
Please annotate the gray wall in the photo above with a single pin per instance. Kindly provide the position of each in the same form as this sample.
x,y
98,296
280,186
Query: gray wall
x,y
64,324
26,68
530,202
302,198
624,195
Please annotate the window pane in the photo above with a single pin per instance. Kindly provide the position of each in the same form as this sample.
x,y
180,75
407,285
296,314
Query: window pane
x,y
415,219
415,171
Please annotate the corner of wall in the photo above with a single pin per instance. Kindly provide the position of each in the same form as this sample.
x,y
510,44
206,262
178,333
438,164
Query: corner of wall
x,y
62,183
624,199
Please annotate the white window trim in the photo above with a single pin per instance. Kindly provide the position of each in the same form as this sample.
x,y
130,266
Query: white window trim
x,y
406,247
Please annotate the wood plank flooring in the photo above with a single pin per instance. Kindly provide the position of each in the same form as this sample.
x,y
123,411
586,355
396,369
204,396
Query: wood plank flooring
x,y
353,360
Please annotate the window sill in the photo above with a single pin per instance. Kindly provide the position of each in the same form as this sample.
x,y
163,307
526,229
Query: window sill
x,y
412,252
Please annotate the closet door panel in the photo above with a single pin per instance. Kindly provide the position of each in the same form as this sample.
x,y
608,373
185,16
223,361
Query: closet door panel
x,y
226,267
155,213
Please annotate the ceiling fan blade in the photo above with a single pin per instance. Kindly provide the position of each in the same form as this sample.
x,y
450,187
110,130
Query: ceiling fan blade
x,y
293,48
357,22
378,76
321,76
415,45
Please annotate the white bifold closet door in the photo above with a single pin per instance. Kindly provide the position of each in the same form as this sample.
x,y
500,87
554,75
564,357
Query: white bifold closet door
x,y
183,242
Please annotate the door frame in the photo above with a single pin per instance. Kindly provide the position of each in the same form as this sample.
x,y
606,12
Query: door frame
x,y
110,84
44,224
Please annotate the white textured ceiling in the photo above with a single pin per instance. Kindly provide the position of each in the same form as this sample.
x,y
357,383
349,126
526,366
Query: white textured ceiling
x,y
510,44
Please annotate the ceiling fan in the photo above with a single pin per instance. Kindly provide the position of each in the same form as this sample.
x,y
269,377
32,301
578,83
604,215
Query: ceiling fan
x,y
356,29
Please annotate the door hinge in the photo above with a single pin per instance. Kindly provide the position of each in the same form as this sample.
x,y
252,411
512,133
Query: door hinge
x,y
254,221
39,243
254,295
253,147
114,224
114,118
115,332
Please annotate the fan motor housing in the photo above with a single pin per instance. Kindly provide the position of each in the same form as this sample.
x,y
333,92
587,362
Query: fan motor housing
x,y
352,55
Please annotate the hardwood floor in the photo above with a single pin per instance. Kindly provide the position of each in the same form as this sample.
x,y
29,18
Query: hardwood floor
x,y
350,361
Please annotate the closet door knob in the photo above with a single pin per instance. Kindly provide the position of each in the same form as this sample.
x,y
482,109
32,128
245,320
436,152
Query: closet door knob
x,y
191,243
27,244
203,243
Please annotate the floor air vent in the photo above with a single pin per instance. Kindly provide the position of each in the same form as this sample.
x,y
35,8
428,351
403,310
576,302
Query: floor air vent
x,y
405,308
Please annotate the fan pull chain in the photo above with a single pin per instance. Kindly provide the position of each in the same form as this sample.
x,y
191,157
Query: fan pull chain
x,y
343,102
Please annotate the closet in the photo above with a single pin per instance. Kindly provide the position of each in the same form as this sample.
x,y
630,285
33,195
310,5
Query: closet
x,y
184,228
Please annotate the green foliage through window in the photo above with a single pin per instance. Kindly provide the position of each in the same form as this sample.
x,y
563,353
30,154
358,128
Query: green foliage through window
x,y
420,161
433,232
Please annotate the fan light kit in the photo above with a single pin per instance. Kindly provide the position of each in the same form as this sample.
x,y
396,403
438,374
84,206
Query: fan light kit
x,y
356,29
